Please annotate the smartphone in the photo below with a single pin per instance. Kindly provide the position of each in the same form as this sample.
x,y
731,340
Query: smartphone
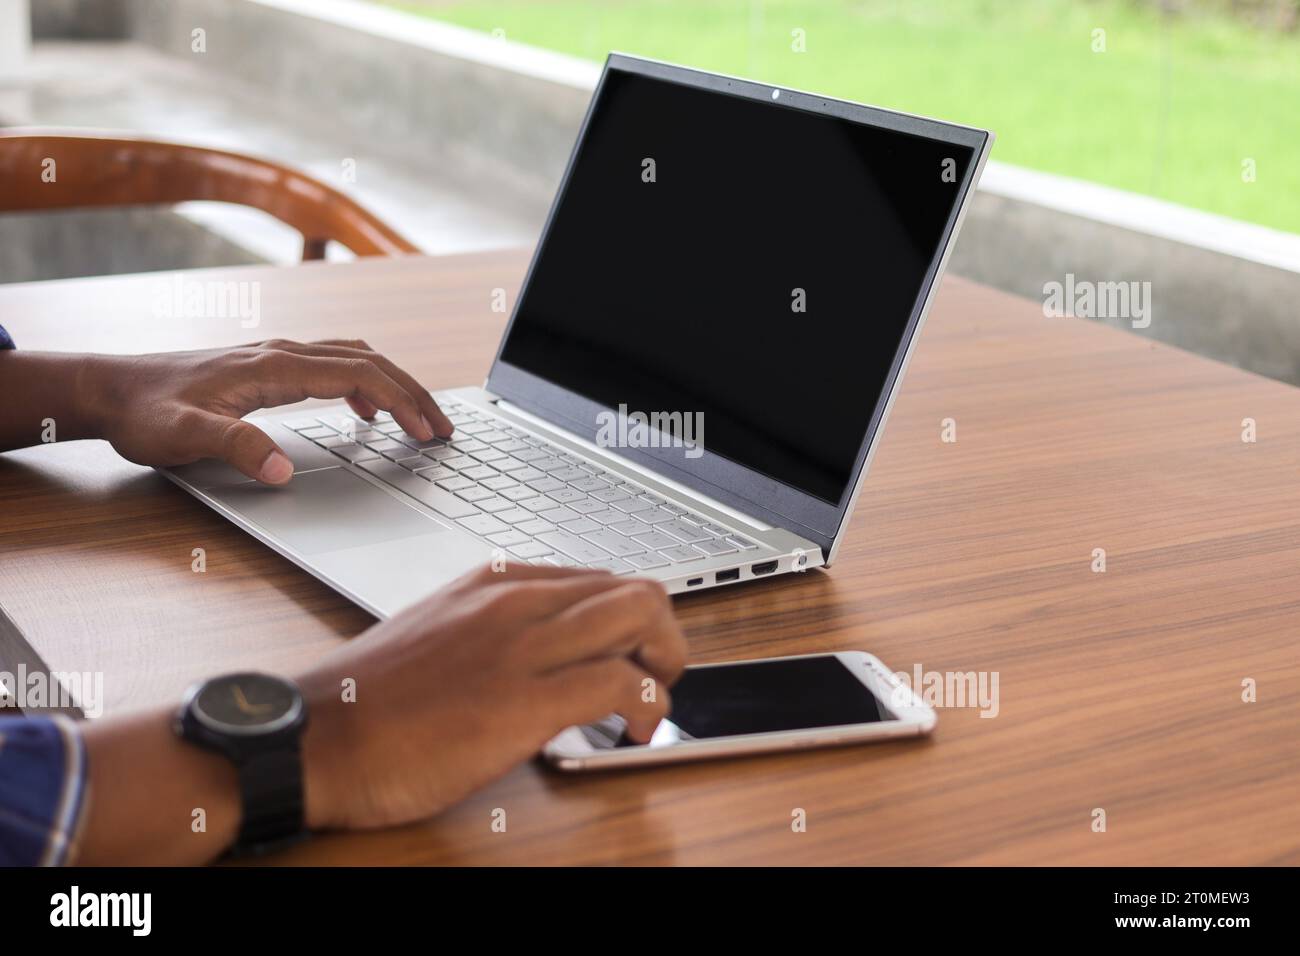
x,y
758,706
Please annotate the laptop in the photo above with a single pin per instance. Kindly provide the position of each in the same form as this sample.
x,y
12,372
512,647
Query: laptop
x,y
696,372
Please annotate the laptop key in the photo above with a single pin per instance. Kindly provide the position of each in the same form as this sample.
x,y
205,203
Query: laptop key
x,y
518,493
530,549
479,473
681,554
355,453
568,474
386,445
475,493
612,564
630,527
544,485
506,538
557,515
658,516
445,504
484,525
494,504
715,546
535,527
515,515
525,474
576,548
587,483
646,562
657,540
498,482
580,526
632,505
682,531
459,462
320,431
744,544
614,543
566,495
608,495
488,455
586,506
434,472
717,529
454,484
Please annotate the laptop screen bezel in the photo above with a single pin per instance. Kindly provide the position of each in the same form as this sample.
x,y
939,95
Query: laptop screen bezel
x,y
745,489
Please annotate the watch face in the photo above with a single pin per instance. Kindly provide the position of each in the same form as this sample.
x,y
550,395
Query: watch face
x,y
247,704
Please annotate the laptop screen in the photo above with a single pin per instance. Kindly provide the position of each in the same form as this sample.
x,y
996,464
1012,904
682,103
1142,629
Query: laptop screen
x,y
725,258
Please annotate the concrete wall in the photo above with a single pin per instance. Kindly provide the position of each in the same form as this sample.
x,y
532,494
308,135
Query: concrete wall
x,y
62,244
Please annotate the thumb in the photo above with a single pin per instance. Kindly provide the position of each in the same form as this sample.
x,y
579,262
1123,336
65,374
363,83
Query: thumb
x,y
246,447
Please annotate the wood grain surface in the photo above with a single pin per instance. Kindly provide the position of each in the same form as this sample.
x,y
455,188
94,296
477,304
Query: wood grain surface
x,y
1119,690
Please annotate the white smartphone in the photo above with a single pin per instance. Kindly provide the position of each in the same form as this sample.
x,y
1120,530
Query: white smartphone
x,y
758,706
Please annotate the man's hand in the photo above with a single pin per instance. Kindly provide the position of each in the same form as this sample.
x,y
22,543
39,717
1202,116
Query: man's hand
x,y
460,688
173,408
449,695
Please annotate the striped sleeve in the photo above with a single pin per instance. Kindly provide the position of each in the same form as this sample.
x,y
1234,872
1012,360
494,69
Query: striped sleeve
x,y
42,789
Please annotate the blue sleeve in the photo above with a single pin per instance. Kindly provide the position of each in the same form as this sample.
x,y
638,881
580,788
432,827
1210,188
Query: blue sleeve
x,y
42,789
6,342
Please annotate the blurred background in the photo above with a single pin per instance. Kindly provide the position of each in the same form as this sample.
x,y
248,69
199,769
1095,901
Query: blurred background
x,y
1138,140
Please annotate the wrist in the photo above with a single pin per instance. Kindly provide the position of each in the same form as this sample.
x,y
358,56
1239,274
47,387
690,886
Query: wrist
x,y
326,750
94,388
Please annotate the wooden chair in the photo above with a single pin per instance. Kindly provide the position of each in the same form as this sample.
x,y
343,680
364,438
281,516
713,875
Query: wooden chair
x,y
93,170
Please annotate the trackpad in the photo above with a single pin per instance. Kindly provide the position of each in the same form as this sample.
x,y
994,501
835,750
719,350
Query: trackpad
x,y
326,510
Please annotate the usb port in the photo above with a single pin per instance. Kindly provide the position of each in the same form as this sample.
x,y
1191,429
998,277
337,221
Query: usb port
x,y
731,574
764,567
694,581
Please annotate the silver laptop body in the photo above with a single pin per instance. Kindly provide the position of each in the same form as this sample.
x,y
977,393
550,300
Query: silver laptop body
x,y
531,473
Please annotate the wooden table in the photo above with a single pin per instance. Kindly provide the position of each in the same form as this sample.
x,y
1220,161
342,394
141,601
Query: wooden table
x,y
1119,690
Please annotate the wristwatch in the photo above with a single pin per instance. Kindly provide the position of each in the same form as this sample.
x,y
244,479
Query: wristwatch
x,y
256,721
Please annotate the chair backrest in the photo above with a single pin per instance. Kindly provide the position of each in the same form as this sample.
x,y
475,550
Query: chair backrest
x,y
62,169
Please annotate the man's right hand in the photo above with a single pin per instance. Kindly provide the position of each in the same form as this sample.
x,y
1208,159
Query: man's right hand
x,y
460,688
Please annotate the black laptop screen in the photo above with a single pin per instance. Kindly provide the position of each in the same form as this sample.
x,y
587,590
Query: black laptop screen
x,y
750,266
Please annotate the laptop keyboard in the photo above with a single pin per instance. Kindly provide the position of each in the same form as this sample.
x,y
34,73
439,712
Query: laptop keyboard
x,y
536,501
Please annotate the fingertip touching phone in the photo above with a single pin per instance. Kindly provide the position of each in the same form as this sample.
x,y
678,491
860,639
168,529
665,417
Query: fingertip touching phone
x,y
758,706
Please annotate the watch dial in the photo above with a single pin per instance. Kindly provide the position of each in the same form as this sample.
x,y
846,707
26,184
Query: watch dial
x,y
246,701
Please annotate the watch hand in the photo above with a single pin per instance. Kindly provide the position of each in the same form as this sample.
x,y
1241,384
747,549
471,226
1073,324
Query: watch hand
x,y
242,703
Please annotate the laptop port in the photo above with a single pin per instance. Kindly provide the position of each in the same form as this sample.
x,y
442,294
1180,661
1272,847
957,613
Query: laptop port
x,y
731,574
694,581
763,567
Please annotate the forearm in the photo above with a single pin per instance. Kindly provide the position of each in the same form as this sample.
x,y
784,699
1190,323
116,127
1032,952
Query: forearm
x,y
145,786
45,396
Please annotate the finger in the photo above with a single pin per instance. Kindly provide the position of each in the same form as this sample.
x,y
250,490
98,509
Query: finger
x,y
525,603
240,444
592,691
362,408
356,348
289,376
634,619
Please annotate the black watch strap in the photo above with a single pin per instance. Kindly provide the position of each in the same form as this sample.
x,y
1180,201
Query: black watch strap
x,y
271,786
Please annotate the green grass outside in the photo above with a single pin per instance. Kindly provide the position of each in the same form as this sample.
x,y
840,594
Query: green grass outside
x,y
1172,108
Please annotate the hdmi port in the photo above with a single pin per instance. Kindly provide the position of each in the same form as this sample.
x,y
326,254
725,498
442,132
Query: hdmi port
x,y
766,567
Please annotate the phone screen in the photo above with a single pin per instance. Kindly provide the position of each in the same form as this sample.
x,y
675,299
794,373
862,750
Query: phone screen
x,y
754,698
